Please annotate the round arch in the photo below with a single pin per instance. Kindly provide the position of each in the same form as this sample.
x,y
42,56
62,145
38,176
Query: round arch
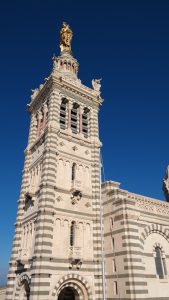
x,y
23,287
154,228
75,282
72,291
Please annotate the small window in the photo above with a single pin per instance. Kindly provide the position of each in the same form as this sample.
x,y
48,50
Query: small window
x,y
72,233
111,223
114,265
73,171
112,242
160,263
115,288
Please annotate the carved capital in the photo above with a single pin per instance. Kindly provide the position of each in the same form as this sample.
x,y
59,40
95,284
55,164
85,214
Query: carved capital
x,y
45,108
40,115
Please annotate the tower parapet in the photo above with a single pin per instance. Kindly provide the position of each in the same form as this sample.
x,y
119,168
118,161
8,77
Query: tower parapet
x,y
66,64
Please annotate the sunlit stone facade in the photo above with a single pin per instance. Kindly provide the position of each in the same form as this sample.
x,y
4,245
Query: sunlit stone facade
x,y
57,248
136,240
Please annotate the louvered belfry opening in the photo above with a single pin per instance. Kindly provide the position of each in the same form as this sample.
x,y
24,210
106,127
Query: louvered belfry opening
x,y
85,120
74,118
63,113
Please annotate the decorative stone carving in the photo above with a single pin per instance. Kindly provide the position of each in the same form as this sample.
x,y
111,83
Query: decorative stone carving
x,y
23,278
96,84
87,152
59,199
76,196
74,148
88,204
75,257
152,205
29,201
166,184
41,86
55,63
34,93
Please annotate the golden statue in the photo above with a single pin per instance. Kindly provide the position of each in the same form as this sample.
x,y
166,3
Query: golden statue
x,y
66,35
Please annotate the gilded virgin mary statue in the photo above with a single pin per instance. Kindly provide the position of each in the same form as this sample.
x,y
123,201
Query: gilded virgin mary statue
x,y
66,35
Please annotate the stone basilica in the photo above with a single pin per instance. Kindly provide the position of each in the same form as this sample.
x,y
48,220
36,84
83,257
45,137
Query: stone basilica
x,y
76,239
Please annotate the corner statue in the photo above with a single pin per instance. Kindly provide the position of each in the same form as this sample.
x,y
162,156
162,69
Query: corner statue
x,y
65,38
96,84
166,184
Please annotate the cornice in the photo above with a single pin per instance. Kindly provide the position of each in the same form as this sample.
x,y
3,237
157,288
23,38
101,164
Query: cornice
x,y
65,85
77,88
149,199
46,89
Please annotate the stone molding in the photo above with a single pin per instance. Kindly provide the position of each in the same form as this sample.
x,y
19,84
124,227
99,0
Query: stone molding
x,y
152,205
154,229
66,281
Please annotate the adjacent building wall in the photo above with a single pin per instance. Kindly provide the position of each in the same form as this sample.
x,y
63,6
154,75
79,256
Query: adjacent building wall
x,y
134,226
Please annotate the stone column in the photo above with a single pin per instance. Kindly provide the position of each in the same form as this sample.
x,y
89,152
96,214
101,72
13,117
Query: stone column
x,y
39,122
45,110
33,130
70,105
89,121
24,237
80,119
76,235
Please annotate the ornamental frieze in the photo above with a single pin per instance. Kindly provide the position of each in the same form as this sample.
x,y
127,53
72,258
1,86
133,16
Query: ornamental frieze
x,y
153,206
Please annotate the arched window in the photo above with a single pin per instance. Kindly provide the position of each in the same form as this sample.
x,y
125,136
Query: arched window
x,y
160,263
63,114
73,171
72,233
115,288
85,117
25,291
65,65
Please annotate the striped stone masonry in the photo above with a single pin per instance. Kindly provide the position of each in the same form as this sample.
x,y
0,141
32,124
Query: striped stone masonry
x,y
46,259
132,231
75,238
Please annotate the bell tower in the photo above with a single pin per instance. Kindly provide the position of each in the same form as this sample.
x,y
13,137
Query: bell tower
x,y
56,250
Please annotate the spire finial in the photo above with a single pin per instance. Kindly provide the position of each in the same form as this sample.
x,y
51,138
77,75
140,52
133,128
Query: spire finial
x,y
66,35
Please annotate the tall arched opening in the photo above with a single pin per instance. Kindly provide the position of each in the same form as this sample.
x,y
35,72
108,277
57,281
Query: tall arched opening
x,y
25,291
68,293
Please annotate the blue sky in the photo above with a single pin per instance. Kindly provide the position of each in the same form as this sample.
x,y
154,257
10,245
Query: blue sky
x,y
126,43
